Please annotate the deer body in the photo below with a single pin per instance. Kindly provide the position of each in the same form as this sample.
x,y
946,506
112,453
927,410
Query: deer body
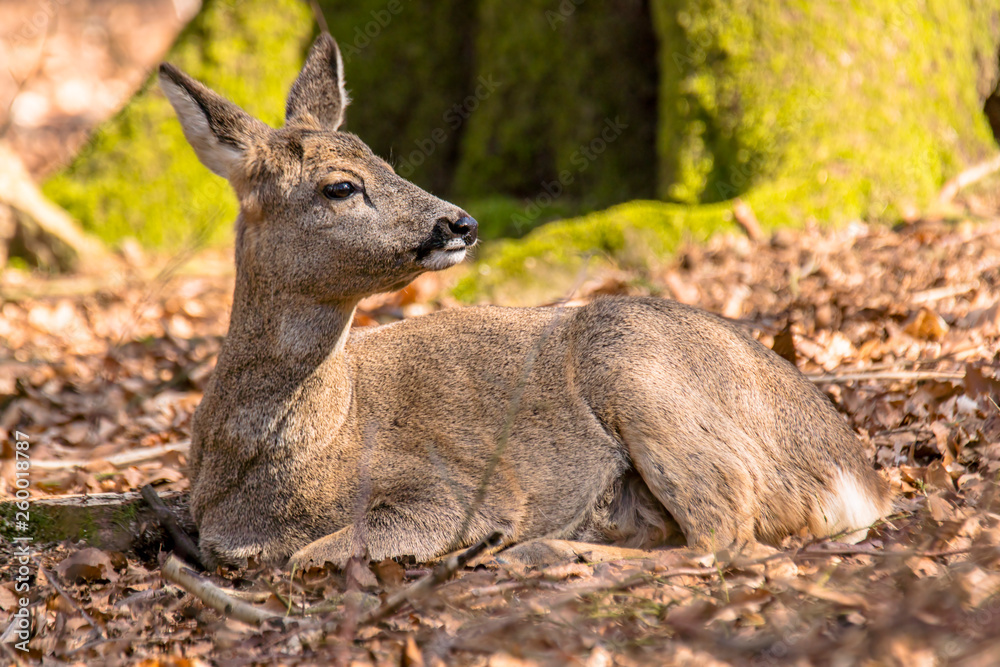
x,y
633,421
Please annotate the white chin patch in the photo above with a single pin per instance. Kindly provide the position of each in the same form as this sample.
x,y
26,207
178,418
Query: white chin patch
x,y
442,259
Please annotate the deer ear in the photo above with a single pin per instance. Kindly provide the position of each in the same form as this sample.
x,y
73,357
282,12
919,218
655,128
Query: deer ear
x,y
318,96
218,130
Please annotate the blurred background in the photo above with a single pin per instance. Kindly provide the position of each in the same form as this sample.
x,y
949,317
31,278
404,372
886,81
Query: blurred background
x,y
570,129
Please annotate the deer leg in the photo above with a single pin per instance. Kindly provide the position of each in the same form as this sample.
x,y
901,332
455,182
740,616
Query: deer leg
x,y
391,532
707,489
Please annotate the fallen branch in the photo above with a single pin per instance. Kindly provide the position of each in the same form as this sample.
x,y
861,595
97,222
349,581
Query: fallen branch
x,y
30,208
968,177
421,588
176,572
183,543
939,293
122,460
110,521
897,376
51,578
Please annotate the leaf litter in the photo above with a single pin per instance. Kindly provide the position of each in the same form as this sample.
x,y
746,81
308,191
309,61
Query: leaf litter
x,y
901,328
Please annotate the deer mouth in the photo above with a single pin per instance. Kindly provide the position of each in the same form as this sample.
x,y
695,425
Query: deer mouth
x,y
440,253
452,253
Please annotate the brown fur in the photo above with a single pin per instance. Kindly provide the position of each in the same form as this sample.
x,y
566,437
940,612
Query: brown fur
x,y
632,421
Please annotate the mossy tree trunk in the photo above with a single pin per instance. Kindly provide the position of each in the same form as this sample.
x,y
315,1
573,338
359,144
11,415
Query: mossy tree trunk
x,y
822,108
806,109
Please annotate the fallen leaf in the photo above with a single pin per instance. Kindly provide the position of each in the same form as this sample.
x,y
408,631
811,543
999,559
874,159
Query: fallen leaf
x,y
87,565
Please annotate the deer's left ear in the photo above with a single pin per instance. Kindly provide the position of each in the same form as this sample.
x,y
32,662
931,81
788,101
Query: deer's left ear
x,y
318,97
218,130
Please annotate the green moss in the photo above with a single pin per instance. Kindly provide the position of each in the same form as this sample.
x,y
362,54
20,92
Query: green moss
x,y
507,217
138,177
41,526
859,110
545,264
106,524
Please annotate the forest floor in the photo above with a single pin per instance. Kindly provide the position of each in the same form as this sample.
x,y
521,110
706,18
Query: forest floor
x,y
901,328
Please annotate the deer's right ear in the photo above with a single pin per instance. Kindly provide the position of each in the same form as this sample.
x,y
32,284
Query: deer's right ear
x,y
218,130
318,97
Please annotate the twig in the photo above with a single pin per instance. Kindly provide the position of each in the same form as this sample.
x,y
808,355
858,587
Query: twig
x,y
746,219
121,460
900,376
51,578
147,595
183,543
968,177
881,553
251,596
572,595
421,588
318,15
281,598
176,572
938,293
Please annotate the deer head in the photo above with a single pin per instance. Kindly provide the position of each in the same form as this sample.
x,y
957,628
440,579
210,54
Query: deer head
x,y
320,215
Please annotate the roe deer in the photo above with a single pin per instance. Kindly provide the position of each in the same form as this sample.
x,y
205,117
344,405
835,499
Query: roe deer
x,y
630,421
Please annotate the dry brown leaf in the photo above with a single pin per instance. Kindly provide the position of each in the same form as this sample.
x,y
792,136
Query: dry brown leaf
x,y
389,573
86,565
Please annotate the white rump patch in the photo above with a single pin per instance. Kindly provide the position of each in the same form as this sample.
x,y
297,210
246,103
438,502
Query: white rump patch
x,y
848,507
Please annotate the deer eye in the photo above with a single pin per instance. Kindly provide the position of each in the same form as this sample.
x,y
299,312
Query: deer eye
x,y
339,190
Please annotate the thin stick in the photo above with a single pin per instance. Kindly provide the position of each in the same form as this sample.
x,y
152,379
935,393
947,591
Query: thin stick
x,y
572,595
121,460
51,578
183,543
318,15
421,588
939,293
879,553
746,219
176,572
899,376
968,177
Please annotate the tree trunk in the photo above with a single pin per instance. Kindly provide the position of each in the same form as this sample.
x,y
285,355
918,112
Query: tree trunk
x,y
35,229
802,110
826,109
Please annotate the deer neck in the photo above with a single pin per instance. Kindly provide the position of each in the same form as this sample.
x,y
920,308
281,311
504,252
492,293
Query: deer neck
x,y
282,371
289,330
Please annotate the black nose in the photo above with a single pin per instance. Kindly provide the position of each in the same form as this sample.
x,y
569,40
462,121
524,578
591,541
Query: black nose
x,y
465,227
